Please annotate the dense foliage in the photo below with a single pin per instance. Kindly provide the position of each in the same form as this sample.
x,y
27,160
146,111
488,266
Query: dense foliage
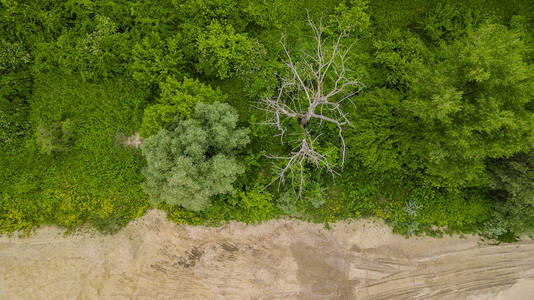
x,y
512,188
440,140
194,159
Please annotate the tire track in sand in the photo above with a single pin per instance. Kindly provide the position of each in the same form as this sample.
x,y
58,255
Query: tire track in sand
x,y
153,258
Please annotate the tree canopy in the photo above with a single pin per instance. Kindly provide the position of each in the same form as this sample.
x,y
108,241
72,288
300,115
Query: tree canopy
x,y
422,110
194,159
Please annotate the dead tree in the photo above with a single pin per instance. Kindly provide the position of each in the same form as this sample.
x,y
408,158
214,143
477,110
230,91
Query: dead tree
x,y
315,91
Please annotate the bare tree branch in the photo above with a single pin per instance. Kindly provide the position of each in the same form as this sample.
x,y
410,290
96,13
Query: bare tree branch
x,y
296,160
315,92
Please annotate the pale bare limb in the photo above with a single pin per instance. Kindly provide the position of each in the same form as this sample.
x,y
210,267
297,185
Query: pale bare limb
x,y
317,87
296,161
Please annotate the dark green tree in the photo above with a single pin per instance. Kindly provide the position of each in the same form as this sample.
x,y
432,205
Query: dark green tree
x,y
512,188
472,103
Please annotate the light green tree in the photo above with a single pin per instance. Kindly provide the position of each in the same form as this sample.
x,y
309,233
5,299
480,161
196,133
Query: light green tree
x,y
222,49
194,160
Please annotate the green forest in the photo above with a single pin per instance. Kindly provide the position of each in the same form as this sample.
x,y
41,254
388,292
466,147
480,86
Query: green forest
x,y
417,112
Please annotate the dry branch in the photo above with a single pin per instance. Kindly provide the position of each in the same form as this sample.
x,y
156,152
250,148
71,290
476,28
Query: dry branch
x,y
315,90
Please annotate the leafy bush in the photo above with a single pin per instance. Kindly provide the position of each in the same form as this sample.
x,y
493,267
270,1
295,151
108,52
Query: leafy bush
x,y
315,195
156,58
12,55
96,181
194,161
352,14
177,100
512,188
15,87
11,127
55,138
222,50
253,205
95,51
287,203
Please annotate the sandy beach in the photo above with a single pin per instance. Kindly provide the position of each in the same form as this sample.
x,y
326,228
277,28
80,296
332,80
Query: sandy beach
x,y
153,258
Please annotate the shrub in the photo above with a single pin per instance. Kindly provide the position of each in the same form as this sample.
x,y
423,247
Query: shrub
x,y
177,101
96,180
315,195
512,188
55,138
222,50
253,205
287,203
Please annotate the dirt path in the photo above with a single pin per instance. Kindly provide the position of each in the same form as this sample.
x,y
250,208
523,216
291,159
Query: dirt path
x,y
153,258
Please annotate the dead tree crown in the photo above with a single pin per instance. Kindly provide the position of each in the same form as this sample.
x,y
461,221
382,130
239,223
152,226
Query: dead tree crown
x,y
315,90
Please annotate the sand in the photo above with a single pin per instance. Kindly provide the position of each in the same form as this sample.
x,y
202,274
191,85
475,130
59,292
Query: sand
x,y
153,258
